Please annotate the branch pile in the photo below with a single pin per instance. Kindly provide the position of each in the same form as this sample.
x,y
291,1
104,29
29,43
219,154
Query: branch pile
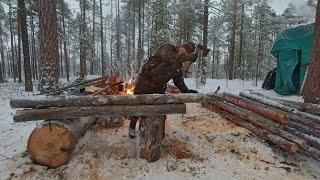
x,y
285,126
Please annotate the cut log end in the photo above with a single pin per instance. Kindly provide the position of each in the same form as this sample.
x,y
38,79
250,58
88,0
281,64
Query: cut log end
x,y
51,145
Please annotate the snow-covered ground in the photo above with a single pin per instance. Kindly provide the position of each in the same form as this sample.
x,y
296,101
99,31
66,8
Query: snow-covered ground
x,y
198,145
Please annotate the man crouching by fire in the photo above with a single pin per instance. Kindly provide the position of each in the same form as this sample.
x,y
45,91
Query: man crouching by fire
x,y
166,64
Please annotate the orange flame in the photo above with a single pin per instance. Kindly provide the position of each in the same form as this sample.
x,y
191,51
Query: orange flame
x,y
130,87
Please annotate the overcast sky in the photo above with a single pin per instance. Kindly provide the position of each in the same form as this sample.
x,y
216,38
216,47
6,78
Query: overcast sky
x,y
280,5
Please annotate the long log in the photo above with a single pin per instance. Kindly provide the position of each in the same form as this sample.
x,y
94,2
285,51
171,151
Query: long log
x,y
282,107
259,121
301,106
261,109
264,134
98,111
60,90
41,102
297,118
315,142
52,142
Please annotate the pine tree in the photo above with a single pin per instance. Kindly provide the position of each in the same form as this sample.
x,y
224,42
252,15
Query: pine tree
x,y
25,44
311,87
49,45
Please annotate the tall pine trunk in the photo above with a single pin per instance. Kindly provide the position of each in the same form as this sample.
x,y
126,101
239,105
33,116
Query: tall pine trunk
x,y
260,47
93,42
118,45
233,42
48,45
111,40
311,87
25,46
66,60
83,53
140,53
103,63
19,51
240,61
2,62
13,62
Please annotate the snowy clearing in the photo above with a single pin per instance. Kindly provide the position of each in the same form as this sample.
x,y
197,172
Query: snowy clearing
x,y
198,145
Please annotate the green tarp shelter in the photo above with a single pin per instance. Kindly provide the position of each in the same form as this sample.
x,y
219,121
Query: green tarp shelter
x,y
292,49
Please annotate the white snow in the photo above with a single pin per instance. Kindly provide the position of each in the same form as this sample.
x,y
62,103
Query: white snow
x,y
214,148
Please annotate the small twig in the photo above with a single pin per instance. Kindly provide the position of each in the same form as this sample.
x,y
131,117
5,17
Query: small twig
x,y
5,157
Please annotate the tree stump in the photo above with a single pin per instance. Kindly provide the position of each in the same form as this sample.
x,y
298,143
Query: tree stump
x,y
151,134
52,142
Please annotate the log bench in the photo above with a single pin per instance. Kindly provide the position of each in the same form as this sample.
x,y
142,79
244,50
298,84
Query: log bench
x,y
67,118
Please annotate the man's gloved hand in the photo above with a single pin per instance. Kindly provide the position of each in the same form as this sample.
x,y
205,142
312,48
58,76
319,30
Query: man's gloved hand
x,y
192,91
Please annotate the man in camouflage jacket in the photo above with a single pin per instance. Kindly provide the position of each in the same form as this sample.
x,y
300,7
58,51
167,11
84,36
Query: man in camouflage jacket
x,y
159,69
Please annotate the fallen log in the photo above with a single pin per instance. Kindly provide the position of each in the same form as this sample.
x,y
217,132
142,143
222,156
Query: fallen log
x,y
151,135
282,107
261,109
301,106
98,111
52,142
264,134
305,129
260,121
41,102
60,90
315,142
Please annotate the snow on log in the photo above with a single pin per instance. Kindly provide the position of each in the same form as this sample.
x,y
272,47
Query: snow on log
x,y
98,111
281,106
52,142
262,133
261,109
315,142
41,102
260,121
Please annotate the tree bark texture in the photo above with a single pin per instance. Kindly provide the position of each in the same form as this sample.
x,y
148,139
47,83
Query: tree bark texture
x,y
25,46
52,142
151,135
260,109
262,133
41,102
311,87
98,111
49,45
233,41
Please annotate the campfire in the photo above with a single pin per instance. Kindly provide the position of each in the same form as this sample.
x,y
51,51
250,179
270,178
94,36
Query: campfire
x,y
130,87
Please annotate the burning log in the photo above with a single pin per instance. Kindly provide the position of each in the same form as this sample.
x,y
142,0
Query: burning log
x,y
260,121
41,102
52,142
98,111
262,133
261,109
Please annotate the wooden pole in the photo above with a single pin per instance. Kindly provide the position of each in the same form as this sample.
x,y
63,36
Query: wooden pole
x,y
98,111
281,107
261,109
151,135
145,99
52,142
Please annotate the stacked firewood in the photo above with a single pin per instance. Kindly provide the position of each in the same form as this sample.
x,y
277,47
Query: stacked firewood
x,y
285,126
